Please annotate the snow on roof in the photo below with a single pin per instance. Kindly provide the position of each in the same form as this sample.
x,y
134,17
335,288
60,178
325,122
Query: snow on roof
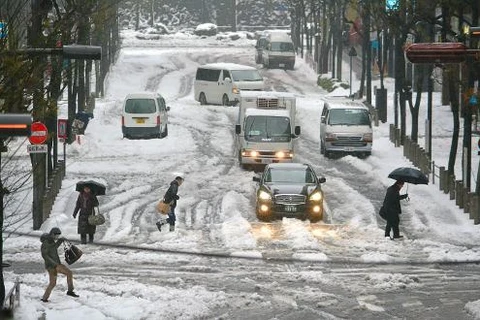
x,y
206,26
227,65
266,112
266,94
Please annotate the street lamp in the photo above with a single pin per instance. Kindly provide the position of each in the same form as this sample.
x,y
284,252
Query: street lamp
x,y
352,53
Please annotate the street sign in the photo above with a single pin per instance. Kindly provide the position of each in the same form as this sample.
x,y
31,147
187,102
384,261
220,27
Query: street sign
x,y
62,128
38,133
37,148
3,30
437,52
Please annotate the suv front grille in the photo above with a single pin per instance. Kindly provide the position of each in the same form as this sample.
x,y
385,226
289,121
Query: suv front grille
x,y
349,141
290,199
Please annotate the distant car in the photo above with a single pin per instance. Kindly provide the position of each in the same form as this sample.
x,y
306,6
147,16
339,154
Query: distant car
x,y
206,29
144,115
289,190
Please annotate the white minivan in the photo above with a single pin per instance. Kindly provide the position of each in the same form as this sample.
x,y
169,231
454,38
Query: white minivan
x,y
345,127
221,83
144,115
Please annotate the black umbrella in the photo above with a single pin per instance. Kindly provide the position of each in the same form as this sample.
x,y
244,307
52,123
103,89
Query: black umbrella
x,y
96,187
410,175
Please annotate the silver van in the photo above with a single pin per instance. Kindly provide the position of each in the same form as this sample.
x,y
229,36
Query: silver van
x,y
345,128
279,50
144,115
221,83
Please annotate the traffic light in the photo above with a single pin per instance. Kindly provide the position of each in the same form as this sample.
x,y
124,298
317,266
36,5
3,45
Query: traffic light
x,y
15,124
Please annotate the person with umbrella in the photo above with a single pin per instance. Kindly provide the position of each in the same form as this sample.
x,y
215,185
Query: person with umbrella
x,y
86,203
392,207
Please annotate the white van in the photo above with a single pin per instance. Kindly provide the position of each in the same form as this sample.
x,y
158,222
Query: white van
x,y
345,127
279,50
221,83
144,115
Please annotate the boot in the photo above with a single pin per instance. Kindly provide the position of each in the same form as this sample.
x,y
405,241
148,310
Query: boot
x,y
90,238
83,238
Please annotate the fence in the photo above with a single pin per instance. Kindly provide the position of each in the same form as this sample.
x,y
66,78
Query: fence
x,y
464,199
53,187
12,300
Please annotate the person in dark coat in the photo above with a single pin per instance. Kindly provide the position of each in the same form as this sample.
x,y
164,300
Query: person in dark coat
x,y
171,197
50,243
391,203
86,203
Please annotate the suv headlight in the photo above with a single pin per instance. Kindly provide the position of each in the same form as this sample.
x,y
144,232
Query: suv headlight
x,y
316,196
263,195
235,90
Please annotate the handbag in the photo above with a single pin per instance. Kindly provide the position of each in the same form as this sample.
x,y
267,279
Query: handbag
x,y
72,252
163,207
383,213
96,219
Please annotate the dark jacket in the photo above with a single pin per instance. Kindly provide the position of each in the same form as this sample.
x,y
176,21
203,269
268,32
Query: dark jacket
x,y
171,194
86,202
49,250
391,203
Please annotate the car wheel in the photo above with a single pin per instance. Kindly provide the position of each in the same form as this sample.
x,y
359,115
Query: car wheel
x,y
165,132
225,100
202,99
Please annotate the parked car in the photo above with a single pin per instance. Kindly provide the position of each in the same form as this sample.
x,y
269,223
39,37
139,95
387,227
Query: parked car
x,y
144,115
289,190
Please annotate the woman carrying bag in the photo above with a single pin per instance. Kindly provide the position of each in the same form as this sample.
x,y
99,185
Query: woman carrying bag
x,y
85,206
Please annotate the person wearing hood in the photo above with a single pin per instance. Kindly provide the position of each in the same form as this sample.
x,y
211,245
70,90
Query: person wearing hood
x,y
392,207
49,249
171,197
86,203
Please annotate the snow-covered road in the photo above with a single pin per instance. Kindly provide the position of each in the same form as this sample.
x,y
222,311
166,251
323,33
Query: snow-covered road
x,y
339,268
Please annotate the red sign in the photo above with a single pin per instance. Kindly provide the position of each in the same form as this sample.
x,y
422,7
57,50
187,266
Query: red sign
x,y
38,133
62,128
437,52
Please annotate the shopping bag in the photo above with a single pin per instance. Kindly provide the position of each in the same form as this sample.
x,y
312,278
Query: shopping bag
x,y
383,213
162,207
96,219
72,252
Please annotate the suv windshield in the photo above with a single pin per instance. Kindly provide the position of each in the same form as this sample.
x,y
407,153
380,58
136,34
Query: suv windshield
x,y
140,106
246,75
267,128
281,46
349,117
300,175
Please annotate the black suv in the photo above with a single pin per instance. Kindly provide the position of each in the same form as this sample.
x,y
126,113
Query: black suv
x,y
289,190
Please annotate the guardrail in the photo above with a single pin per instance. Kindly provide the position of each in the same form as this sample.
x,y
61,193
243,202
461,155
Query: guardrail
x,y
464,199
53,187
12,300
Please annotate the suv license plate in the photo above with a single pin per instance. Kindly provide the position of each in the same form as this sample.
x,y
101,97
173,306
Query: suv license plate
x,y
290,208
281,65
266,161
140,121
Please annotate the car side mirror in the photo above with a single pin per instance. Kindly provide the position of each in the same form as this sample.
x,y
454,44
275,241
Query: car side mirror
x,y
297,130
168,108
256,179
238,129
228,80
322,180
322,119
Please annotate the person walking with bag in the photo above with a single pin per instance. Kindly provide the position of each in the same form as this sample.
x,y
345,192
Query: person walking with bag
x,y
171,197
49,249
85,206
391,205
